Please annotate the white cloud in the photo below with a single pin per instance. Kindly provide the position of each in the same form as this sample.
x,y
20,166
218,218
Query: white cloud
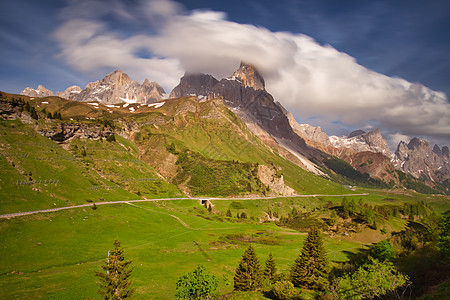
x,y
309,79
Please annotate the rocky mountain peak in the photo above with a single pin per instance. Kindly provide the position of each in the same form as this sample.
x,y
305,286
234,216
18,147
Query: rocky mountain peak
x,y
117,87
41,91
445,151
70,93
437,150
194,84
117,77
249,76
419,159
416,143
355,133
376,141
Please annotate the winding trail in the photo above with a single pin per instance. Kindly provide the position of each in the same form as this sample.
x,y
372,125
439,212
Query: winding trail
x,y
19,214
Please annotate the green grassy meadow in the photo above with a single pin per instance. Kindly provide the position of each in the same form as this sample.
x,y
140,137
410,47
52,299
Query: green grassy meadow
x,y
55,255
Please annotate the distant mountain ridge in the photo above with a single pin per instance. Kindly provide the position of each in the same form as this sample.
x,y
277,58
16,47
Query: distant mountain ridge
x,y
419,159
416,158
114,88
244,93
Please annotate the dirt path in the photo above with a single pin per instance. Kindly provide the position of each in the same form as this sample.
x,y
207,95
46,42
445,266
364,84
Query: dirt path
x,y
19,214
160,212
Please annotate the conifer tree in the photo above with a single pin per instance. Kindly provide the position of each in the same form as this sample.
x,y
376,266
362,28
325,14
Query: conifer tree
x,y
270,268
114,281
229,213
248,276
310,269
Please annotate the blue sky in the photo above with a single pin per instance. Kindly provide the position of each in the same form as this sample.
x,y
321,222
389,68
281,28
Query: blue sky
x,y
331,63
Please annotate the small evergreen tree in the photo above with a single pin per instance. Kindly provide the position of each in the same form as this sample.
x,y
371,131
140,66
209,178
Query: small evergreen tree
x,y
33,113
270,268
229,215
247,276
333,217
114,281
382,251
196,284
310,269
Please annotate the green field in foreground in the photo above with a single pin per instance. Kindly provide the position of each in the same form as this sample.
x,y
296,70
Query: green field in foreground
x,y
55,255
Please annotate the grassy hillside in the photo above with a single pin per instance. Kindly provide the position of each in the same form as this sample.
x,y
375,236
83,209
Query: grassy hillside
x,y
214,133
37,173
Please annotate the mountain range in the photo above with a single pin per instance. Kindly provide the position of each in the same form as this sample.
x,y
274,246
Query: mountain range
x,y
245,95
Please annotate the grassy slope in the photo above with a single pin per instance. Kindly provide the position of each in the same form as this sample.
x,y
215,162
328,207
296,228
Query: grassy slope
x,y
26,155
221,137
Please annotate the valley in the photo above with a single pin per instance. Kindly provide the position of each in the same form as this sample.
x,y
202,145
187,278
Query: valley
x,y
188,180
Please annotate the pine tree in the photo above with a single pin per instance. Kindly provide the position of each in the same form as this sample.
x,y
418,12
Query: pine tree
x,y
229,215
270,268
114,282
310,269
248,276
33,113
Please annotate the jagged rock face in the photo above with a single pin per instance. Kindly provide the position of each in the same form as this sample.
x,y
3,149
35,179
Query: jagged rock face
x,y
355,133
249,76
65,132
194,84
445,151
366,152
371,141
117,87
419,159
358,140
39,92
244,93
309,132
70,93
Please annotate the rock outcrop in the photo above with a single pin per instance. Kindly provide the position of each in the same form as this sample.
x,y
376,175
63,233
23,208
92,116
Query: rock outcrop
x,y
41,91
272,178
65,132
